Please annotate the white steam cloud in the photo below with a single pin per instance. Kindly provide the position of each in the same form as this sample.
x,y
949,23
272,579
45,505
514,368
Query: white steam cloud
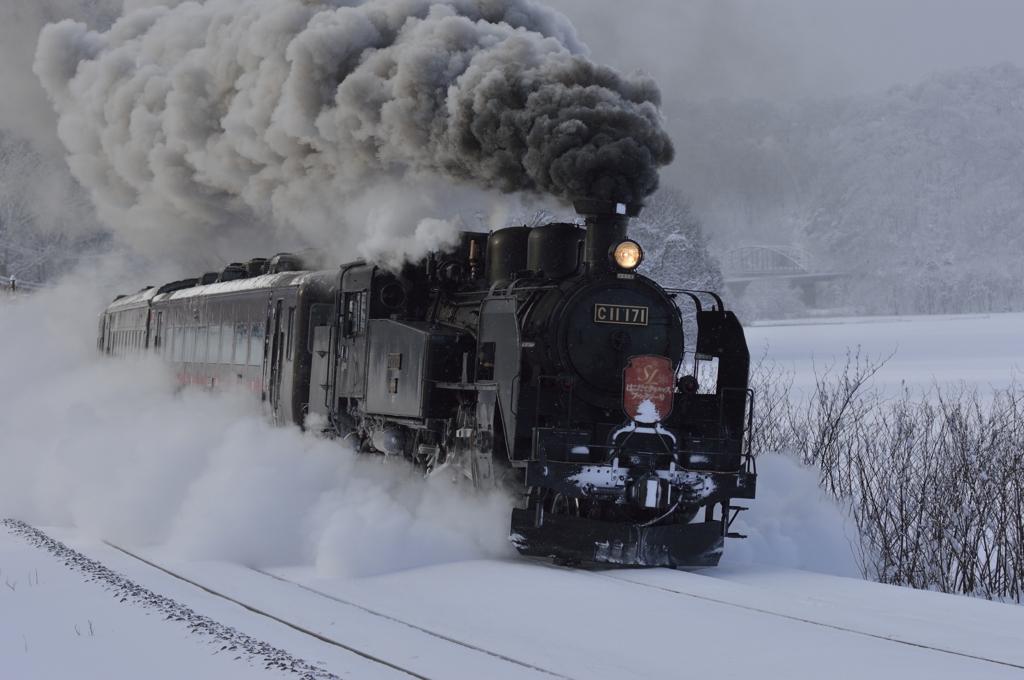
x,y
204,120
107,446
793,524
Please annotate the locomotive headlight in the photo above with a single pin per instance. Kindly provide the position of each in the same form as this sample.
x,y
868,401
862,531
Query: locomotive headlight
x,y
628,255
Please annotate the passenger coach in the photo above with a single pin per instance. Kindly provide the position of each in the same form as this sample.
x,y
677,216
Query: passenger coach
x,y
250,332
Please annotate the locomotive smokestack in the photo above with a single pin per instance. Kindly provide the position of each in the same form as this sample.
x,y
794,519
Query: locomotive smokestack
x,y
607,223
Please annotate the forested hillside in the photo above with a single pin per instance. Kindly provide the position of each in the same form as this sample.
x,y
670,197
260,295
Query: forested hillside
x,y
915,191
46,222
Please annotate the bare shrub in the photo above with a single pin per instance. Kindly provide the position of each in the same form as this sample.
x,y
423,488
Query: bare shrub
x,y
933,480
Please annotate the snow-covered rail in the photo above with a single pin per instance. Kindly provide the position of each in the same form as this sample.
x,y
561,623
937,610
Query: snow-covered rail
x,y
127,589
462,659
521,618
262,612
936,637
405,649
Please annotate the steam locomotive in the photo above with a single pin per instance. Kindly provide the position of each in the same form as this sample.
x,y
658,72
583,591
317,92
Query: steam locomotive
x,y
535,358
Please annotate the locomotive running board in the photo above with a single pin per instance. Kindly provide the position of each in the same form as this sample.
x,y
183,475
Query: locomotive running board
x,y
576,539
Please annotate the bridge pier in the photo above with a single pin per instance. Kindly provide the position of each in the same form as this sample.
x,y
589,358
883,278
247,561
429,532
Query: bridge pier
x,y
737,288
810,294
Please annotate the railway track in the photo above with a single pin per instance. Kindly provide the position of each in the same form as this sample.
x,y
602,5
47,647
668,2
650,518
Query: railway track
x,y
635,578
530,619
502,662
262,612
402,648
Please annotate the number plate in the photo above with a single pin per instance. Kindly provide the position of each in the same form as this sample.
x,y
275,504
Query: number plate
x,y
621,314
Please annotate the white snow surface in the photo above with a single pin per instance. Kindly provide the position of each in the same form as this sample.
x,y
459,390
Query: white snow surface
x,y
422,575
500,618
980,349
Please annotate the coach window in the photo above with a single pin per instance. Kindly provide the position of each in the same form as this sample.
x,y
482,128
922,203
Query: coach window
x,y
256,345
291,332
179,334
241,343
226,337
201,345
214,344
190,344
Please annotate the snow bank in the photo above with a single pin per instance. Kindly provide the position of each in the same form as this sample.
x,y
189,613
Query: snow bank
x,y
109,447
792,523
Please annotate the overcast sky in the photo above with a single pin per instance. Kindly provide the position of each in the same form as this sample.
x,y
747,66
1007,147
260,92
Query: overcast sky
x,y
797,48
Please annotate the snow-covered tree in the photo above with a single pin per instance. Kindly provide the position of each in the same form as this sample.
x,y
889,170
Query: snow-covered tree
x,y
46,222
675,247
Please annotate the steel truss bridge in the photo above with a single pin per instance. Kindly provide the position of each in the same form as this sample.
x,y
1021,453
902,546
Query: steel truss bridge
x,y
741,266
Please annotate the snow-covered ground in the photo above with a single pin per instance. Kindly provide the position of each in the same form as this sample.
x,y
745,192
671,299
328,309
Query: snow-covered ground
x,y
982,349
507,618
358,568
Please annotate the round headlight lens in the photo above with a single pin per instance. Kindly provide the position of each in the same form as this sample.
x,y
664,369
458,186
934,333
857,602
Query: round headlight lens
x,y
628,254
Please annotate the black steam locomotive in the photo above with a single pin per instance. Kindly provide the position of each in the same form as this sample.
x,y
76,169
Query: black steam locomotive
x,y
534,358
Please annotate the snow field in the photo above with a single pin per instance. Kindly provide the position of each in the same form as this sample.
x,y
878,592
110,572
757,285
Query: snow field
x,y
524,618
975,348
60,626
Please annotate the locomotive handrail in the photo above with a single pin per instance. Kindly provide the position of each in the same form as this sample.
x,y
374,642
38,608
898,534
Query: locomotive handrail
x,y
696,300
612,451
747,434
493,291
332,339
750,435
693,295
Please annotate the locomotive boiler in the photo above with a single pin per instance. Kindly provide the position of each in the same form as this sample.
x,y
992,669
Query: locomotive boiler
x,y
538,359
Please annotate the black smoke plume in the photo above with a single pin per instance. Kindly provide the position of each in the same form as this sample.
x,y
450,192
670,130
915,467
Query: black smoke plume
x,y
195,119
